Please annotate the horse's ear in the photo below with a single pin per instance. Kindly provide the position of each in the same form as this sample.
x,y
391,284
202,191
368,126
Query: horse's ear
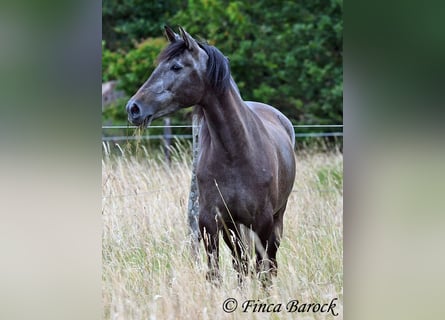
x,y
171,35
189,41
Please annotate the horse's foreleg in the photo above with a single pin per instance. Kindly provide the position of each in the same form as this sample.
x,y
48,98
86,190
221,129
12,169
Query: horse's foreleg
x,y
240,261
210,237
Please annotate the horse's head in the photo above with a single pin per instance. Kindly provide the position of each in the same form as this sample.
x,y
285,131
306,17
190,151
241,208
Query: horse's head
x,y
177,82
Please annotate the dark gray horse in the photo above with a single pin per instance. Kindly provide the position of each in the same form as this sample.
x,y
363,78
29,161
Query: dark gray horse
x,y
246,163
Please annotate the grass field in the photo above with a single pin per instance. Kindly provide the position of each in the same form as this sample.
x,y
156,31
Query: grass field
x,y
149,271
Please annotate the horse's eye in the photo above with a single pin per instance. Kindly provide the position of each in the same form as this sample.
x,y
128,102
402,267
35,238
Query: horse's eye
x,y
176,67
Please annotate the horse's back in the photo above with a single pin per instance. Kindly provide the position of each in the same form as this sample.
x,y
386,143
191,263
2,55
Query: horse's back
x,y
272,118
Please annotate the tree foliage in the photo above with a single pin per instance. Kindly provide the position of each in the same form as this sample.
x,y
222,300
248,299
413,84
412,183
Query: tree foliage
x,y
133,68
127,22
285,53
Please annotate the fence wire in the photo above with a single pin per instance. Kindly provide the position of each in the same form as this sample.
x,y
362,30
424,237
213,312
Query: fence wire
x,y
189,136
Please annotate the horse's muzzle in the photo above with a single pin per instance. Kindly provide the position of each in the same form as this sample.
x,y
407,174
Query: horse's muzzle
x,y
136,116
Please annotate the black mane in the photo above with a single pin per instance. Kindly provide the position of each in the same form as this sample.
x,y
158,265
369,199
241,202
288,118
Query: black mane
x,y
218,70
173,50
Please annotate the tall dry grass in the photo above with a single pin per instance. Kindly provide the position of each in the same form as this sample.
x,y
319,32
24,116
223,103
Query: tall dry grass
x,y
150,273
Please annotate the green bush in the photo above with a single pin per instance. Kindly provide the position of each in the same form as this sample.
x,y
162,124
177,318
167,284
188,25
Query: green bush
x,y
132,69
115,113
127,22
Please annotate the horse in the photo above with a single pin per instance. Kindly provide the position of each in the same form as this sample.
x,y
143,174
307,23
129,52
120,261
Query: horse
x,y
246,162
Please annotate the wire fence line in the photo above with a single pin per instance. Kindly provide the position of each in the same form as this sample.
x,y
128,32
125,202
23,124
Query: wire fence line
x,y
191,126
189,136
148,137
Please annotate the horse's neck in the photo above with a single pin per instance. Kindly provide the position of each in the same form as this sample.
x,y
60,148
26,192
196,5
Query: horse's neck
x,y
228,120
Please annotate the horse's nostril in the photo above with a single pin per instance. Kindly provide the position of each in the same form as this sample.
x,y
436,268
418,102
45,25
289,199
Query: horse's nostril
x,y
135,109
